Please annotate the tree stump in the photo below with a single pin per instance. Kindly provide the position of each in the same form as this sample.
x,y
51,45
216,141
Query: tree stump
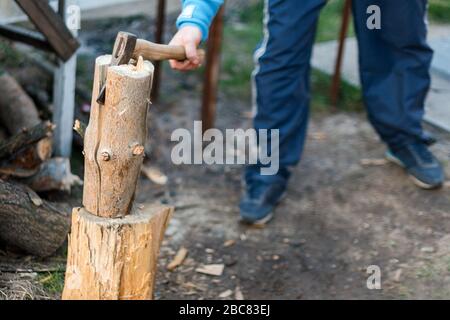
x,y
114,259
113,247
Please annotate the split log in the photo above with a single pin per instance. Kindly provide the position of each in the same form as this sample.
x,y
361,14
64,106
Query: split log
x,y
115,138
27,222
114,259
18,112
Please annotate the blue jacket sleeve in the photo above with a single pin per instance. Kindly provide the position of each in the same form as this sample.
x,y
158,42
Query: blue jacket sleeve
x,y
199,13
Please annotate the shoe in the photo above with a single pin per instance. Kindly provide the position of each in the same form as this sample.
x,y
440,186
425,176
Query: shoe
x,y
261,197
421,165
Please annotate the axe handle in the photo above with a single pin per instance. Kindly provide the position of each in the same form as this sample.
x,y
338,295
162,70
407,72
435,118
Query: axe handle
x,y
157,52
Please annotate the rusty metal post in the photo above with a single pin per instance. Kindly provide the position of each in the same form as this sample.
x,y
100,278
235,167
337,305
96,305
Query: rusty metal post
x,y
159,38
211,81
336,83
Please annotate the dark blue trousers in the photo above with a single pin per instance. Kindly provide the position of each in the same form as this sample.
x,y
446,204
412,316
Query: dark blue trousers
x,y
394,66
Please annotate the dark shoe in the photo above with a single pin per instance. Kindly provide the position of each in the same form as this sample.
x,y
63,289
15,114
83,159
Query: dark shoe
x,y
262,196
421,165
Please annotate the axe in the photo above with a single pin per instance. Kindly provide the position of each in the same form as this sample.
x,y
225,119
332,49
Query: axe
x,y
127,46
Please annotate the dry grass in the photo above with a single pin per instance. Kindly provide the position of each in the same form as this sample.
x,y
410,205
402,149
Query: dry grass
x,y
19,286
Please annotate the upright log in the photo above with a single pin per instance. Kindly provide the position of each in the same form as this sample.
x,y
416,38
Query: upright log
x,y
114,259
111,258
115,137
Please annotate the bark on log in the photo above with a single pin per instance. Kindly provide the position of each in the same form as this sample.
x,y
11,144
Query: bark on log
x,y
18,112
114,259
34,225
25,138
115,137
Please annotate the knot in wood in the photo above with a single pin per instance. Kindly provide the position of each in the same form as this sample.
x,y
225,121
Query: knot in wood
x,y
106,155
137,149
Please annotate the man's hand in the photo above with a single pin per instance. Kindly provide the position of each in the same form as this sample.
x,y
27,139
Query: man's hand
x,y
189,37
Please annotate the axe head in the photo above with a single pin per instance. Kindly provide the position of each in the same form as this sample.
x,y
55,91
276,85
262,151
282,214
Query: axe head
x,y
123,48
122,53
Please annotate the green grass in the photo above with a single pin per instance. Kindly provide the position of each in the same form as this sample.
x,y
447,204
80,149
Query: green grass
x,y
439,11
52,282
330,21
241,37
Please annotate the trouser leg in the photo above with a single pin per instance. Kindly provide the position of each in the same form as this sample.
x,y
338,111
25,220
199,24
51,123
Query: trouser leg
x,y
281,76
394,65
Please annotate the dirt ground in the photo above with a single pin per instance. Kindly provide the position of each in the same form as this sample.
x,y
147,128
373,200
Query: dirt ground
x,y
338,218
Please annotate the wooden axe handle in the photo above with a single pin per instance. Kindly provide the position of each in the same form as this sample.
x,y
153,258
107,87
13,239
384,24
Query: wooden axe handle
x,y
157,52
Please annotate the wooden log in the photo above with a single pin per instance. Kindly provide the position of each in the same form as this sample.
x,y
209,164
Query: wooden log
x,y
34,225
114,259
115,138
25,138
18,112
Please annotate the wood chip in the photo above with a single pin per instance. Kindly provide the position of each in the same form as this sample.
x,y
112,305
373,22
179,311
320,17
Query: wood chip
x,y
238,294
226,294
397,275
318,136
211,269
155,175
374,162
229,243
140,64
178,259
37,201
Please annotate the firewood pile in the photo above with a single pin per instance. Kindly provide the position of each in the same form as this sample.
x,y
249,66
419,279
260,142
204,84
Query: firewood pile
x,y
27,171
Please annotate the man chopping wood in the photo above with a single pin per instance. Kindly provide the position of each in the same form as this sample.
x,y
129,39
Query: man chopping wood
x,y
394,67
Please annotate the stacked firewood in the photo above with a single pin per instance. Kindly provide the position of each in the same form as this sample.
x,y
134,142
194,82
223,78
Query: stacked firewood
x,y
27,221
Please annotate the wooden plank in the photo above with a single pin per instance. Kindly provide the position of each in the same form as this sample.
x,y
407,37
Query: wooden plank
x,y
26,36
64,106
52,27
64,100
